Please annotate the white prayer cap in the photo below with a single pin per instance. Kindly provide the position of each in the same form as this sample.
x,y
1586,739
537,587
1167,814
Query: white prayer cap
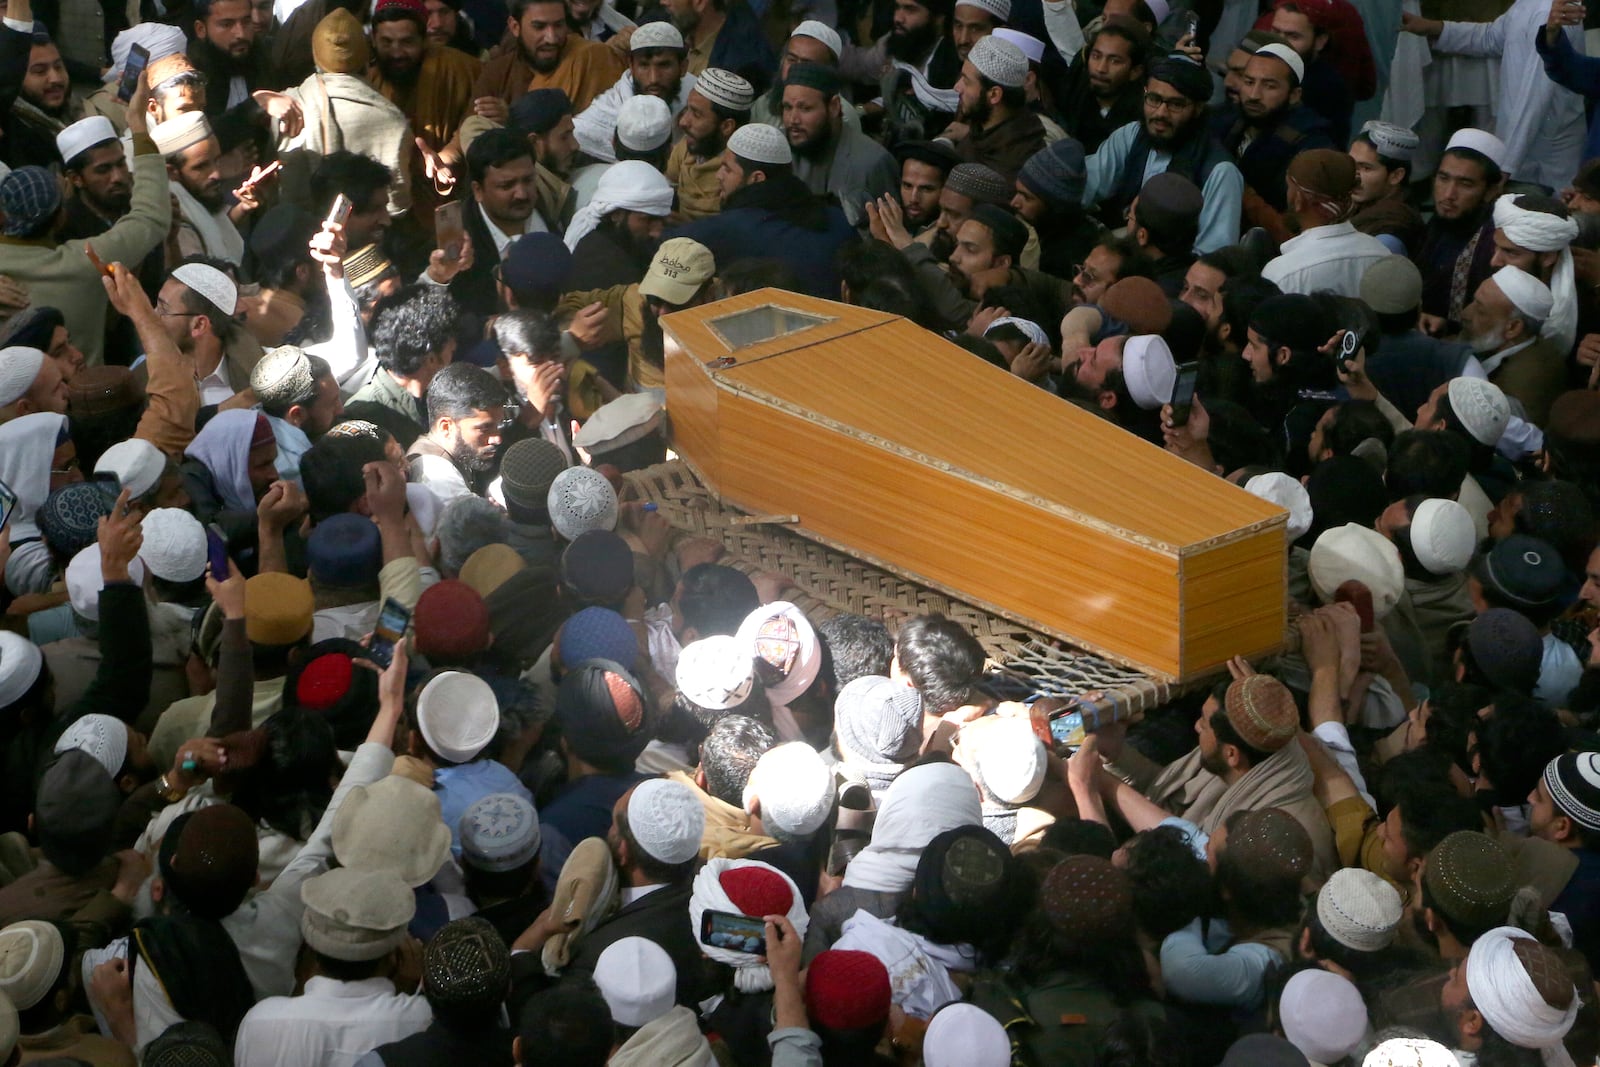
x,y
1359,910
820,31
964,1035
760,143
1007,758
1323,1014
662,34
159,39
19,366
1391,141
20,662
725,88
103,737
1355,553
1149,371
1000,61
210,283
1278,488
1290,57
795,789
84,581
31,953
715,672
1442,536
644,123
1000,9
1034,332
1410,1052
458,715
666,820
1481,406
580,500
1160,9
1030,45
1537,231
174,547
137,463
500,832
1481,141
638,980
183,130
84,135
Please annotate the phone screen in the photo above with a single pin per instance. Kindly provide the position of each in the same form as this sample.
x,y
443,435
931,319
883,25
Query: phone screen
x,y
1183,392
8,503
391,628
217,551
138,59
448,229
736,933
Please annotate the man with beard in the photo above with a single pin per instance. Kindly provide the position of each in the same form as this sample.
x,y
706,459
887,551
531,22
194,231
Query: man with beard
x,y
504,207
718,105
1305,26
923,97
656,67
447,28
993,123
1384,154
1239,58
1535,234
1124,379
223,49
811,42
1173,136
769,213
192,152
1112,259
196,308
465,407
613,236
1328,254
1270,126
175,86
300,397
415,337
966,186
1502,325
924,166
1049,198
431,83
973,20
1104,87
1458,242
543,53
42,108
829,158
722,33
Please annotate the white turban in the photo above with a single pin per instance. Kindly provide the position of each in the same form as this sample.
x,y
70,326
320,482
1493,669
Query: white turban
x,y
632,185
744,887
161,41
1510,1003
1540,231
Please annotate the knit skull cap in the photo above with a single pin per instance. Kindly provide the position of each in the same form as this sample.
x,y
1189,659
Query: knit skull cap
x,y
1278,488
979,183
1085,897
1481,406
787,654
105,737
31,954
667,820
1442,533
603,712
760,143
581,499
847,990
1030,45
1262,712
715,672
1288,57
1359,910
20,663
725,89
1482,142
795,788
284,370
1007,757
30,197
878,720
366,265
466,963
1323,1015
1392,285
458,715
598,566
1057,172
1356,553
1391,141
662,34
210,858
1149,371
210,283
637,979
392,825
500,832
1271,841
174,547
491,567
324,681
19,366
999,10
1522,569
1139,303
344,552
356,915
188,1044
450,620
964,1035
137,463
1323,171
999,61
1507,648
644,123
1410,1052
1573,780
527,470
338,45
538,110
597,633
69,518
182,131
1185,75
84,135
820,31
85,580
278,608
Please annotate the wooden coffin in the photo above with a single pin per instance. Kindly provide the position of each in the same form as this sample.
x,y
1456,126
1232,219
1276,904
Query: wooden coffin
x,y
900,448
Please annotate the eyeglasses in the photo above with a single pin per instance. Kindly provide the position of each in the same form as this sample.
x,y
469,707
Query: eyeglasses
x,y
1089,275
168,313
1157,102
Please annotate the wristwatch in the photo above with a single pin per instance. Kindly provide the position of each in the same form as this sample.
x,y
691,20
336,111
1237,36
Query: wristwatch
x,y
168,792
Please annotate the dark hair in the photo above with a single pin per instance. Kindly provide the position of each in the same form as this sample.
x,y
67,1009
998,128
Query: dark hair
x,y
1389,163
1227,735
652,870
331,472
892,296
751,273
1240,298
1491,170
1040,948
1452,716
415,325
288,787
1364,966
1232,261
1394,322
520,7
1012,97
1138,41
460,390
771,170
348,970
572,1017
93,434
524,332
357,176
941,658
496,148
1170,883
1073,836
1237,438
857,647
1418,783
714,599
1264,897
860,263
1131,258
1519,738
729,753
1353,422
1426,463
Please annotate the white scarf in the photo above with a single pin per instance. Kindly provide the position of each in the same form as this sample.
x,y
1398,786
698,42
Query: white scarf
x,y
930,97
217,232
632,185
1539,231
1508,1000
922,803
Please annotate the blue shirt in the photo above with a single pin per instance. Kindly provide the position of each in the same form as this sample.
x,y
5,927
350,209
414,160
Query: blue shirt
x,y
458,788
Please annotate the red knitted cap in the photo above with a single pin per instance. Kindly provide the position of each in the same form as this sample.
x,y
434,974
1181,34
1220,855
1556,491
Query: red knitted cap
x,y
756,891
324,682
451,621
847,990
414,8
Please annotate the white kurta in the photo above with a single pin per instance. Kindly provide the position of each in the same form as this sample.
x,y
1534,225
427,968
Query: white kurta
x,y
332,1024
1325,257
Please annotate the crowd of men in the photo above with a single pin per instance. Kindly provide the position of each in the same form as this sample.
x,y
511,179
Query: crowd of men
x,y
356,707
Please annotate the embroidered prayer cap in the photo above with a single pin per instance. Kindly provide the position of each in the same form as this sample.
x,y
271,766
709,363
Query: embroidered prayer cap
x,y
999,10
366,265
662,34
979,183
1481,406
715,672
1573,780
183,130
1359,910
500,832
527,470
1262,712
760,143
70,517
999,61
1085,897
105,737
1391,141
787,654
1410,1052
1480,141
1149,371
1470,879
1442,534
1523,990
1270,840
667,820
725,89
210,283
1278,488
465,965
31,954
84,135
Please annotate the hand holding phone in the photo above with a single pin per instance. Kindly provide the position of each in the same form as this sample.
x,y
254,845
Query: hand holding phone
x,y
1183,392
132,68
339,214
217,551
389,632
